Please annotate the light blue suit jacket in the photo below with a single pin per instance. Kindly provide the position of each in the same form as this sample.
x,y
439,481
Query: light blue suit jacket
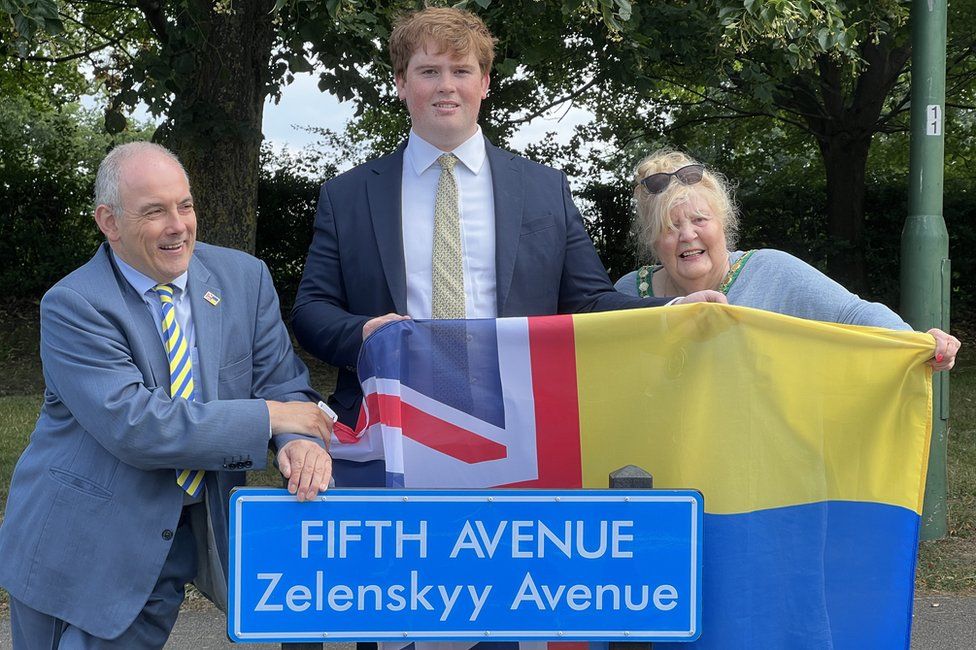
x,y
93,502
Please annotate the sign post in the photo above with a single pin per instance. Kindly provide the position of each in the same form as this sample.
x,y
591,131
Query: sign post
x,y
925,267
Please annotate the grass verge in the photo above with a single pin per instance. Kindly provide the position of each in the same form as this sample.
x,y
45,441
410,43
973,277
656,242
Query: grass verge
x,y
19,340
17,417
949,565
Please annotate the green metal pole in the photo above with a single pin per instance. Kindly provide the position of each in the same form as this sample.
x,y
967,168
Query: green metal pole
x,y
925,241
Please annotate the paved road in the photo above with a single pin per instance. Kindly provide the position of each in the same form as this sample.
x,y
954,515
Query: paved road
x,y
941,623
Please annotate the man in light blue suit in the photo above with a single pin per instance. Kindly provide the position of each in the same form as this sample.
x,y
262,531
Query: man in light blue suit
x,y
99,538
519,242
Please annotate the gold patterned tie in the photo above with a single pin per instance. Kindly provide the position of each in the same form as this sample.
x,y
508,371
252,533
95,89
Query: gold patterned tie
x,y
180,373
447,269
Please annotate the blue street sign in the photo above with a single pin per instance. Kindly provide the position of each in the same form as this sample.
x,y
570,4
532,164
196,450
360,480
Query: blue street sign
x,y
479,565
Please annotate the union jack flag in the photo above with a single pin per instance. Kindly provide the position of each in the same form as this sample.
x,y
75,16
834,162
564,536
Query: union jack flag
x,y
477,403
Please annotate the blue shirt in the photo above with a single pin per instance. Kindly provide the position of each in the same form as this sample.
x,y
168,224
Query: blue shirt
x,y
144,285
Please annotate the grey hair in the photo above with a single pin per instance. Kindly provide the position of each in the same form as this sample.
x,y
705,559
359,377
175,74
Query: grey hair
x,y
654,210
110,171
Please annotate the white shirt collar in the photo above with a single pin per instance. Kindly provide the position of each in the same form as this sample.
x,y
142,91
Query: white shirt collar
x,y
422,154
141,282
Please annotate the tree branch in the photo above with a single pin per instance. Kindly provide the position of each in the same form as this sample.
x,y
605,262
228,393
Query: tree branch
x,y
748,113
67,57
556,102
113,39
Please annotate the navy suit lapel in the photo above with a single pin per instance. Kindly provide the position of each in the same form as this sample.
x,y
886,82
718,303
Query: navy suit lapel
x,y
203,293
383,189
509,192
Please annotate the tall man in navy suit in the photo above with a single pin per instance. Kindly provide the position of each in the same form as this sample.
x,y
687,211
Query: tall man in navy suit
x,y
523,248
99,538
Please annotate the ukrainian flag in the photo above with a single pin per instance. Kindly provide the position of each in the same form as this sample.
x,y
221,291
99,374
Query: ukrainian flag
x,y
809,442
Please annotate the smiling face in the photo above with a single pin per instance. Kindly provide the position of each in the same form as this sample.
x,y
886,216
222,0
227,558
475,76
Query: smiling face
x,y
694,252
443,93
155,229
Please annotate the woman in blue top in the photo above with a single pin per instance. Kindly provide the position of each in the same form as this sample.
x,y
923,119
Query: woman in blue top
x,y
688,221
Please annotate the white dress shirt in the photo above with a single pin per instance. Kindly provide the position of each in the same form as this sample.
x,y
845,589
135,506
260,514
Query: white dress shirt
x,y
477,211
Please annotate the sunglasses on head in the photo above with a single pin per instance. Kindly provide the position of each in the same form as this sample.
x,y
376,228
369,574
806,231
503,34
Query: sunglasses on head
x,y
687,175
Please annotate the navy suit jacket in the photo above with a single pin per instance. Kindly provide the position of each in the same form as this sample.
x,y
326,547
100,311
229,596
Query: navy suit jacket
x,y
94,502
545,262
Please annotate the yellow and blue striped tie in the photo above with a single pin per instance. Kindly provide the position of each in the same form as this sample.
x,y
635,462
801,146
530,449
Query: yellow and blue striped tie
x,y
180,373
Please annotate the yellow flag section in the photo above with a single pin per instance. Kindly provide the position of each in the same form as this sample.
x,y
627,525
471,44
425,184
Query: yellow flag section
x,y
809,442
755,409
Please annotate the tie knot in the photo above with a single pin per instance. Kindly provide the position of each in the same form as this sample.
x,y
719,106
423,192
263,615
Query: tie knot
x,y
447,161
165,291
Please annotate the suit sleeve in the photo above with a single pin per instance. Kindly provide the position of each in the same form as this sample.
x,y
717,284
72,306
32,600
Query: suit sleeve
x,y
89,369
277,372
585,285
320,318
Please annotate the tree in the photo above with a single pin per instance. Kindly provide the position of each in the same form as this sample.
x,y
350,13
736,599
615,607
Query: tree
x,y
209,66
836,72
47,173
206,66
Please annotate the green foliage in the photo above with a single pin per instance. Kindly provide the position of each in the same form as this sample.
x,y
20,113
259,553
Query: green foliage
x,y
47,77
608,216
288,190
19,342
17,417
28,18
46,177
802,30
947,565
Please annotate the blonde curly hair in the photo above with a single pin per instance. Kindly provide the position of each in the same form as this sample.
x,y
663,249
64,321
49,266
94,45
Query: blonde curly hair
x,y
654,210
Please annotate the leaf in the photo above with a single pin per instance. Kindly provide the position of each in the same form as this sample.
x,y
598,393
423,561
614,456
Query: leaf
x,y
626,9
115,121
129,97
298,63
823,37
611,21
842,39
483,3
506,67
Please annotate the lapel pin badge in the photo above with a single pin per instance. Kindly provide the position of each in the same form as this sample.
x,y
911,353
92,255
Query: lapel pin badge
x,y
211,298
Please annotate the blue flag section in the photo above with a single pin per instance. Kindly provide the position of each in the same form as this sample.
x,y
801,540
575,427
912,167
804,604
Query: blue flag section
x,y
473,565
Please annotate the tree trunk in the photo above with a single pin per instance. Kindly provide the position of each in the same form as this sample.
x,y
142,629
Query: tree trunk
x,y
843,123
845,161
214,125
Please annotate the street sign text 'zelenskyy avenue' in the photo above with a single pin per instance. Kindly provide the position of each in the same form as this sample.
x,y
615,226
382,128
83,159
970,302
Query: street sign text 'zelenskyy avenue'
x,y
466,565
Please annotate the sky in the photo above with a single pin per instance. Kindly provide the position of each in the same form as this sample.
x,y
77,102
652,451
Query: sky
x,y
303,104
